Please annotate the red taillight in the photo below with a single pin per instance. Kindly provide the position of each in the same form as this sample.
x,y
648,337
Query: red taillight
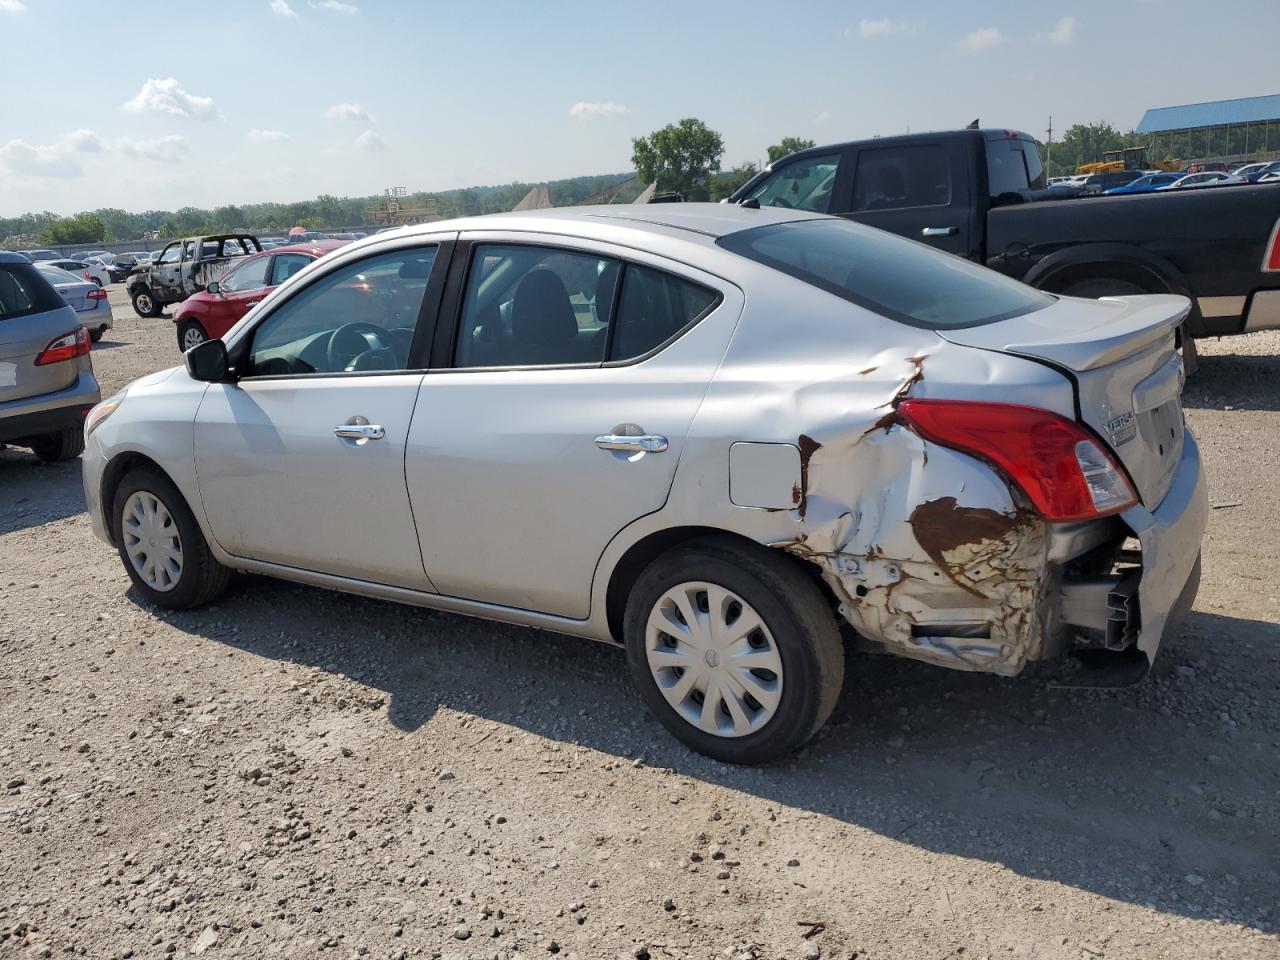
x,y
1062,468
1271,258
66,347
97,293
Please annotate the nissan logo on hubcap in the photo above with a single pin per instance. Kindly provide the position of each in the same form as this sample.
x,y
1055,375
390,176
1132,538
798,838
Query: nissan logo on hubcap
x,y
712,658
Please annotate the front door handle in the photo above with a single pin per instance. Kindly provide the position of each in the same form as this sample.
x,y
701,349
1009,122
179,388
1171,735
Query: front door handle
x,y
359,431
939,231
649,443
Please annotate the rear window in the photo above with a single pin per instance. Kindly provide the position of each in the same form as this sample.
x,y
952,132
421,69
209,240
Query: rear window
x,y
1013,165
900,279
23,291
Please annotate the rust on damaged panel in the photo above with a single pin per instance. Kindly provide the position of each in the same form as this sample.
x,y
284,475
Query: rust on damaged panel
x,y
808,447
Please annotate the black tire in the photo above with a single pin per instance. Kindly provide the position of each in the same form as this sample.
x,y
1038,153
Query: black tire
x,y
1095,287
202,578
96,335
796,613
98,282
145,303
188,328
64,445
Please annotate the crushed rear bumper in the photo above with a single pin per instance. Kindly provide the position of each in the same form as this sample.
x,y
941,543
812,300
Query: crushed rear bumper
x,y
1170,536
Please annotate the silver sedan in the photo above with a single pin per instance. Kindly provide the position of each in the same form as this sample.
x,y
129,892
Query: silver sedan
x,y
723,439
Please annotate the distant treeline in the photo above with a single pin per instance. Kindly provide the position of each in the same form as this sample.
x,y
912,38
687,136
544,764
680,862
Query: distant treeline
x,y
325,211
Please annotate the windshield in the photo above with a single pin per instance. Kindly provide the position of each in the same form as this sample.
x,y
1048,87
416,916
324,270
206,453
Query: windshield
x,y
897,278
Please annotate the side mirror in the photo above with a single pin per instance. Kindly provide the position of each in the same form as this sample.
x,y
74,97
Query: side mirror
x,y
213,287
208,361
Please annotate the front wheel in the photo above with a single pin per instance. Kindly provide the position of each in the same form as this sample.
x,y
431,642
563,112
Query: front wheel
x,y
190,334
144,303
160,543
734,650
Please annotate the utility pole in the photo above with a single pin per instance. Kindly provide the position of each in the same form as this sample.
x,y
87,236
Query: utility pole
x,y
1048,147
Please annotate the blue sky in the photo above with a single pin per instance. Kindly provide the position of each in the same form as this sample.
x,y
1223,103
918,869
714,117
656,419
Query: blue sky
x,y
181,103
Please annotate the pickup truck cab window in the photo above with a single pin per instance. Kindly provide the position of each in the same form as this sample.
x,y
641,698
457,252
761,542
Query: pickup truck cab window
x,y
171,253
906,176
804,184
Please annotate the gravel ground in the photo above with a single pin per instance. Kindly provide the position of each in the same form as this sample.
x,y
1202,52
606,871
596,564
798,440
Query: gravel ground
x,y
297,773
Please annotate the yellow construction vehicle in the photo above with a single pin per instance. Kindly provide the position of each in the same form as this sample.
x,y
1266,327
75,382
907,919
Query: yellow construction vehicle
x,y
1130,158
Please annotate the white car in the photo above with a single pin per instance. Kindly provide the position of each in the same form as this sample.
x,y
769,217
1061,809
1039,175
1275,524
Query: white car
x,y
710,434
94,270
1207,178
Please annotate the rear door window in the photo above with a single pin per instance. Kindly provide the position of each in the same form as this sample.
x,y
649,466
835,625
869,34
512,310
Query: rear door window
x,y
23,291
654,307
805,184
884,273
908,176
286,265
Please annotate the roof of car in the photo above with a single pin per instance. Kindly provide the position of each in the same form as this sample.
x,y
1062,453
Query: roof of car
x,y
8,257
710,220
316,248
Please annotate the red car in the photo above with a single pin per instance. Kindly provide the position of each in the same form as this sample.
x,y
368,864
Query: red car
x,y
215,310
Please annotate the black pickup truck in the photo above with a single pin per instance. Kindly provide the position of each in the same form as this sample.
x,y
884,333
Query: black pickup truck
x,y
981,194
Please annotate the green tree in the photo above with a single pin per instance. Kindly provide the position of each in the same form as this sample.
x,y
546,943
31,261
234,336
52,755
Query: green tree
x,y
680,157
726,183
82,228
787,146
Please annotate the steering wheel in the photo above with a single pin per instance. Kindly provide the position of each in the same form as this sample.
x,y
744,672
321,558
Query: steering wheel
x,y
350,341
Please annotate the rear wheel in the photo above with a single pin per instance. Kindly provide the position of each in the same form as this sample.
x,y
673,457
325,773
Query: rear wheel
x,y
160,543
734,650
96,335
144,303
1103,287
190,334
64,445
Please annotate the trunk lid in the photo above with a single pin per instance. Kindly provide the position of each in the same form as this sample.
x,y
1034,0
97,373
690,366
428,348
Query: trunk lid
x,y
76,295
1120,353
21,340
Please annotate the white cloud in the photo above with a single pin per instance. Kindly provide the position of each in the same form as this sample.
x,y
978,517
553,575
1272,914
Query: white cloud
x,y
349,111
39,160
167,149
879,28
268,136
55,159
822,117
282,9
335,6
586,109
1064,34
982,39
11,6
84,141
371,141
165,96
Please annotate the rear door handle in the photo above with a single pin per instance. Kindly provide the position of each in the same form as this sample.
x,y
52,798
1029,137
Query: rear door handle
x,y
359,431
939,231
649,443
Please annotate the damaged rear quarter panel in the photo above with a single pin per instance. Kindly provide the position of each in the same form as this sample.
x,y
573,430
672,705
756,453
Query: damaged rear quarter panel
x,y
928,551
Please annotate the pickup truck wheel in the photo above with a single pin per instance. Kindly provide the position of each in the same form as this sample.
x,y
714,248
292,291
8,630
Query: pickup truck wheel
x,y
160,543
190,334
63,445
1103,287
734,650
145,303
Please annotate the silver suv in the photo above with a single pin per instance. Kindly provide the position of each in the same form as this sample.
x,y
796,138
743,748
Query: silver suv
x,y
46,377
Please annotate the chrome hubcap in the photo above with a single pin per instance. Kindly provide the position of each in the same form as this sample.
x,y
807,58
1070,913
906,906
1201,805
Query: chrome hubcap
x,y
714,659
151,541
144,304
192,338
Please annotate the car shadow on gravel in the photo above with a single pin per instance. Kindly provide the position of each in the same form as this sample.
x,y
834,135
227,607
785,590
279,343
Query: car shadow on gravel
x,y
35,493
1163,795
1239,381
